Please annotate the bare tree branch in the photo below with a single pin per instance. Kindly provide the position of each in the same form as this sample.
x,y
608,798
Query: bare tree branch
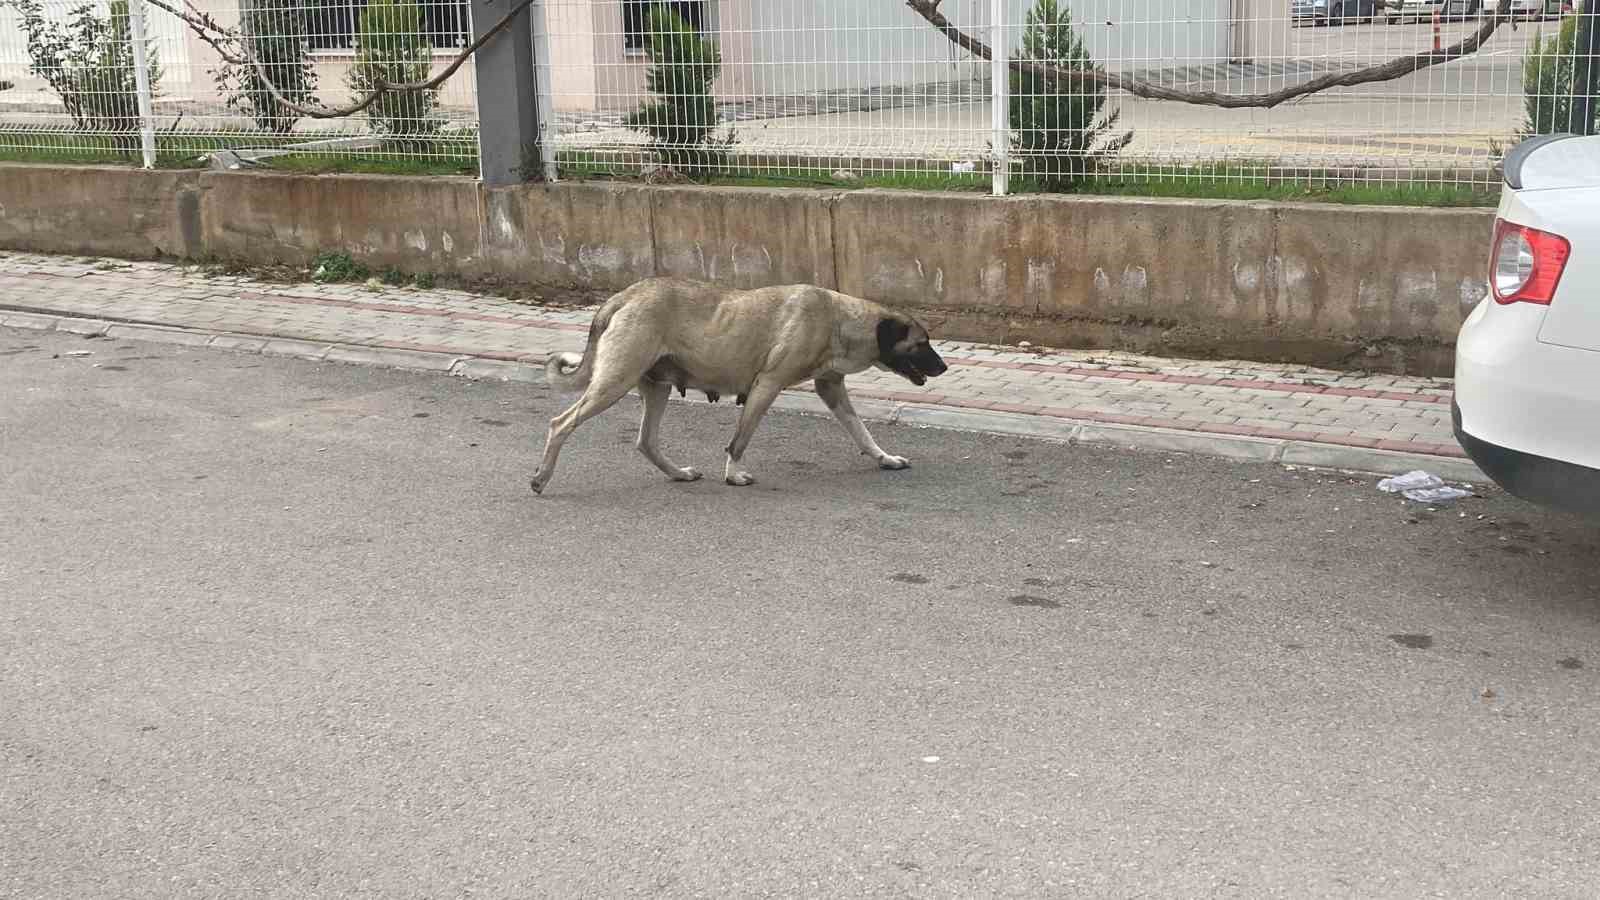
x,y
1389,71
217,36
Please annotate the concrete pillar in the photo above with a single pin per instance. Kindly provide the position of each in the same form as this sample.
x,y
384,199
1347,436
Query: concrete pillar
x,y
508,111
1259,30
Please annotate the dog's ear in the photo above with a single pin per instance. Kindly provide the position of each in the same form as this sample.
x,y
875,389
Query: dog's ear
x,y
891,331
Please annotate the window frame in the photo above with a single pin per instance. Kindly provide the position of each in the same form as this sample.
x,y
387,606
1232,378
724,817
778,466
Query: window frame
x,y
332,25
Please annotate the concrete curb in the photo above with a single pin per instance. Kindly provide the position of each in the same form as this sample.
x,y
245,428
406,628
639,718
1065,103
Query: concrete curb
x,y
1137,437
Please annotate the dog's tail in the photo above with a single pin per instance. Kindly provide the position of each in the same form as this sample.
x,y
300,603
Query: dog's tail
x,y
568,371
571,372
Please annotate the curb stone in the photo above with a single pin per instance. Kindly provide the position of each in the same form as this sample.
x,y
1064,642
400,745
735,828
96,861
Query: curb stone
x,y
1240,447
497,370
295,349
994,422
389,358
85,327
30,321
164,335
1333,456
237,342
1251,449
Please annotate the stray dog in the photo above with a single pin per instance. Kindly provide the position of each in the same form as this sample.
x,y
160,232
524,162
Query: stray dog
x,y
666,333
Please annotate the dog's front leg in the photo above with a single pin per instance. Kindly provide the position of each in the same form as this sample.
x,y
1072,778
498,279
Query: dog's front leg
x,y
832,392
761,395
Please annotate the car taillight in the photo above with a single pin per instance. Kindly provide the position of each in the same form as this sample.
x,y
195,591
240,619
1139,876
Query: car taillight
x,y
1526,263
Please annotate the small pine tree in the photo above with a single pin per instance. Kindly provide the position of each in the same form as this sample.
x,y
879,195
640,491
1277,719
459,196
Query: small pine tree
x,y
1057,134
276,31
683,115
1548,70
390,44
89,65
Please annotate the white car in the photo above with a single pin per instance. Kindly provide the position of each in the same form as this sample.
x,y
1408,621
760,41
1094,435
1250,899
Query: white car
x,y
1534,9
1527,395
1416,9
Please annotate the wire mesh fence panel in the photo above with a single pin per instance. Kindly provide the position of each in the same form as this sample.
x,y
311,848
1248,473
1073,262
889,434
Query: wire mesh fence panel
x,y
873,87
788,87
761,88
69,64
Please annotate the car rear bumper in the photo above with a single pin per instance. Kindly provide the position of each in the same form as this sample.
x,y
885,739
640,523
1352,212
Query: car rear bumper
x,y
1517,392
1537,479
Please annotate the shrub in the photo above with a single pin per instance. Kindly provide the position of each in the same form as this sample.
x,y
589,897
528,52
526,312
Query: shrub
x,y
276,32
1547,82
390,45
88,62
337,265
1060,137
683,115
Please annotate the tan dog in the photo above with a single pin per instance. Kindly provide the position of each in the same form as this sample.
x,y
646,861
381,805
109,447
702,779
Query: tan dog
x,y
670,332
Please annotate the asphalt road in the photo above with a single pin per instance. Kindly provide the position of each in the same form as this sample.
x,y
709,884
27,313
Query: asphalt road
x,y
285,629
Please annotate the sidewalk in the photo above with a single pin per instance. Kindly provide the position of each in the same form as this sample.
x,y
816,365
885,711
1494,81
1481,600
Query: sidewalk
x,y
1279,413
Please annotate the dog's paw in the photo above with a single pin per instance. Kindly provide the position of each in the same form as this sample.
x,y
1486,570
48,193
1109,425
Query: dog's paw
x,y
893,462
740,479
687,473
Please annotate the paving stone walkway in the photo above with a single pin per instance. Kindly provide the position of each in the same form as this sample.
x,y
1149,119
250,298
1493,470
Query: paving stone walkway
x,y
1407,415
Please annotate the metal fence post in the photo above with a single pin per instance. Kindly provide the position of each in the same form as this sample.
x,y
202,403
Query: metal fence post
x,y
1584,71
141,83
508,116
1000,120
542,62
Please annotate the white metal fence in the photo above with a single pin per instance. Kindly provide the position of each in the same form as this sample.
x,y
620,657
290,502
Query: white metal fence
x,y
809,88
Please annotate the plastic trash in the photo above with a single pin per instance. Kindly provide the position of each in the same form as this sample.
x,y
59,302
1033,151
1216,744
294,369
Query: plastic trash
x,y
1422,487
962,167
1443,494
1415,480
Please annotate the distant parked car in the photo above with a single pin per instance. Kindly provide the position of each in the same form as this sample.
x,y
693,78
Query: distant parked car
x,y
1464,9
1522,9
1536,9
1334,12
1527,395
1413,10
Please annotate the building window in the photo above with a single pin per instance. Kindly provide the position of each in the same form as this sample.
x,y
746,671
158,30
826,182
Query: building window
x,y
332,24
635,19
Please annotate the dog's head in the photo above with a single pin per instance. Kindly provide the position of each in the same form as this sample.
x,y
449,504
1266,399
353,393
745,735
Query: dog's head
x,y
903,347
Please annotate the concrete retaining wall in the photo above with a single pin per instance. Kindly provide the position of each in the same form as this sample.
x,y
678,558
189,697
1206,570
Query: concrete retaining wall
x,y
1378,287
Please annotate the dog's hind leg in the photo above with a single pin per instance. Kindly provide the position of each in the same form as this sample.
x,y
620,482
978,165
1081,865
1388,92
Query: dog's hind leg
x,y
832,392
655,394
762,393
601,394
